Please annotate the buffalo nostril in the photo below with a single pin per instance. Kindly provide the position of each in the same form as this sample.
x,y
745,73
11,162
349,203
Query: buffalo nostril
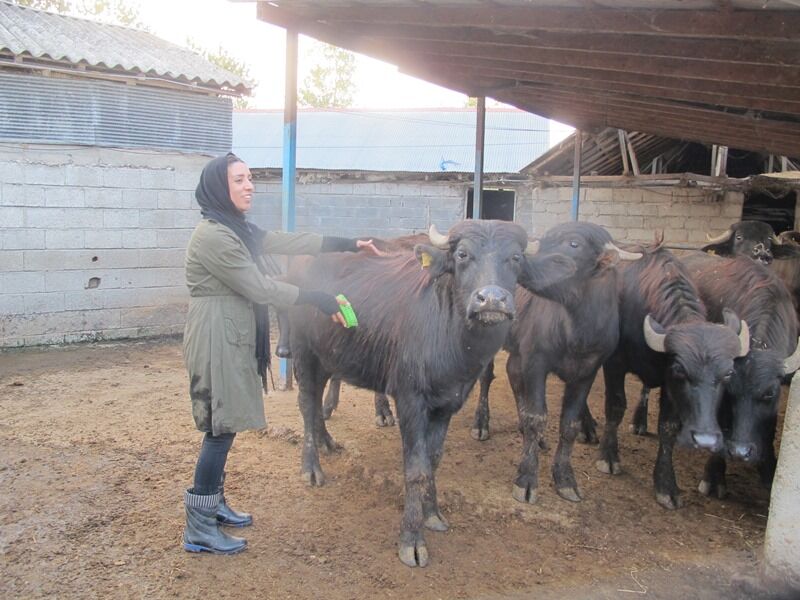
x,y
705,440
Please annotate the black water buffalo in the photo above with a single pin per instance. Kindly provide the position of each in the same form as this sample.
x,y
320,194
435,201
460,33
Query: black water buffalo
x,y
424,336
666,340
569,329
751,239
383,412
749,411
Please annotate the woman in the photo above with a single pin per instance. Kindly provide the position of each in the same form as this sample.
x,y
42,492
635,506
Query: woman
x,y
226,341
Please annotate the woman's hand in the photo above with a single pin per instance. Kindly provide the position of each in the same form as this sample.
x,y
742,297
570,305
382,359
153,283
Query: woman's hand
x,y
338,317
369,246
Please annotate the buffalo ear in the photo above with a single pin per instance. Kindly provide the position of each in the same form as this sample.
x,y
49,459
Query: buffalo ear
x,y
740,328
436,261
780,251
540,272
608,259
723,249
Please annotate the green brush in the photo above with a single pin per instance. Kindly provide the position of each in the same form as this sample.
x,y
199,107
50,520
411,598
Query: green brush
x,y
347,311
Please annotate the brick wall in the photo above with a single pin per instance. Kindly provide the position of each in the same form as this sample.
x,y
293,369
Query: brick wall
x,y
685,214
92,242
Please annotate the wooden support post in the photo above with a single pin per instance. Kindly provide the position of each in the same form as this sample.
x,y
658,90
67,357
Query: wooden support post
x,y
722,161
713,169
634,161
623,152
784,164
771,163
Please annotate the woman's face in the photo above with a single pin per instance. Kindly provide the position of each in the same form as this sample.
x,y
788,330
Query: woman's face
x,y
240,185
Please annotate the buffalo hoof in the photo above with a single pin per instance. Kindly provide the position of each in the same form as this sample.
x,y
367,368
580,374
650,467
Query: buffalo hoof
x,y
524,494
283,352
587,437
639,429
711,489
413,554
384,420
543,445
669,501
479,433
437,523
569,493
313,477
608,467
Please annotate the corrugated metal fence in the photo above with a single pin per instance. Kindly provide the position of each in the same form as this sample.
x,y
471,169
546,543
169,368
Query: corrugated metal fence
x,y
104,113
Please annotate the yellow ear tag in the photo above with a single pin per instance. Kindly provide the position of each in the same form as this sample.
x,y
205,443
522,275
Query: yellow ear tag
x,y
426,260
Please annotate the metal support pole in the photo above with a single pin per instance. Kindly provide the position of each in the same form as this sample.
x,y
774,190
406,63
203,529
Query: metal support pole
x,y
289,162
480,134
576,176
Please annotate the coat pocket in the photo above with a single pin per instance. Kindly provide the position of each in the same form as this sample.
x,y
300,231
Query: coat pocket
x,y
240,327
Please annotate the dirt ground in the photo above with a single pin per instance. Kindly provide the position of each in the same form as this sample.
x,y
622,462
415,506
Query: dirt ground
x,y
98,445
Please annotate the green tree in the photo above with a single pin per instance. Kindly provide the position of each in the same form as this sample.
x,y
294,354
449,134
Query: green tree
x,y
224,60
329,84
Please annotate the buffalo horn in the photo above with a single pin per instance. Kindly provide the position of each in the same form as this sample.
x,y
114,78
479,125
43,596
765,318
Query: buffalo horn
x,y
623,254
655,341
792,363
723,237
744,339
437,239
532,247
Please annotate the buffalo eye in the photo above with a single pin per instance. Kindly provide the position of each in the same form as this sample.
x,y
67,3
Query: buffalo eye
x,y
574,244
462,254
727,377
517,258
678,371
739,237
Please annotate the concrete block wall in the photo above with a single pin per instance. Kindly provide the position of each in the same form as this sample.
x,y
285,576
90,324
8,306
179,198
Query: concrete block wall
x,y
92,242
361,208
685,214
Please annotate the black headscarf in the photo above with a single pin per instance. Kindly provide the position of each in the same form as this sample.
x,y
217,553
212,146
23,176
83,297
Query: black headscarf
x,y
214,198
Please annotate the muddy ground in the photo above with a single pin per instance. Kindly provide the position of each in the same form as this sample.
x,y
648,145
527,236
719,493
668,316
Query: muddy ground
x,y
97,445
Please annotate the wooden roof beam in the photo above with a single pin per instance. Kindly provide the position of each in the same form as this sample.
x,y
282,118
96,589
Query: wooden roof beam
x,y
743,25
779,52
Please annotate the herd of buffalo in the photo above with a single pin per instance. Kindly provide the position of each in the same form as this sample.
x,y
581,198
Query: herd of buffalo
x,y
716,331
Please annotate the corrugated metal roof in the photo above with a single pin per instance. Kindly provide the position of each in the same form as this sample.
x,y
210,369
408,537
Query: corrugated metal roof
x,y
27,32
417,140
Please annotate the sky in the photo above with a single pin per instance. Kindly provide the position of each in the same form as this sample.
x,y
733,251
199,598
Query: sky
x,y
234,27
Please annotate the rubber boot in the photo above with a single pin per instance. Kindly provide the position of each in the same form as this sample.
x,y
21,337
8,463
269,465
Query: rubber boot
x,y
226,515
203,533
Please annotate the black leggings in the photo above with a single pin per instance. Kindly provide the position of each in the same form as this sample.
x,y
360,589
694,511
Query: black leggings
x,y
211,462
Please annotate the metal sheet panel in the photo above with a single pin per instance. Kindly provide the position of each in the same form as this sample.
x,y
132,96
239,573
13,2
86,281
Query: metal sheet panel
x,y
46,109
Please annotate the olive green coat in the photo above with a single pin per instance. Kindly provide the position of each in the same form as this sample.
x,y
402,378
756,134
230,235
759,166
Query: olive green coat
x,y
220,336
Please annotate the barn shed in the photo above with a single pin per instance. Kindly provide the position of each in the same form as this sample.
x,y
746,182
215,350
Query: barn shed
x,y
103,132
721,73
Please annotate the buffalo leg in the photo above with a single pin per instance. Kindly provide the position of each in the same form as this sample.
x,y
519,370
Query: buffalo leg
x,y
572,415
324,439
418,474
588,430
713,482
529,392
614,376
480,427
437,430
311,382
639,423
283,349
332,397
666,488
383,412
